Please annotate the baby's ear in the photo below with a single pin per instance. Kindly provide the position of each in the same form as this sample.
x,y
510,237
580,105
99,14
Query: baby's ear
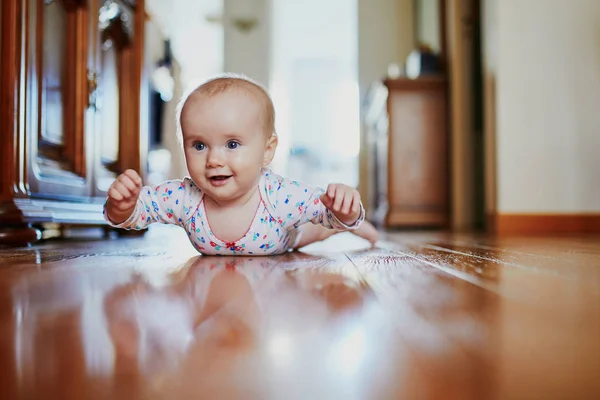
x,y
270,148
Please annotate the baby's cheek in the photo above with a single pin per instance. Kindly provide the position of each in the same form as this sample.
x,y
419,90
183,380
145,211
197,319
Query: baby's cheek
x,y
195,161
196,170
249,158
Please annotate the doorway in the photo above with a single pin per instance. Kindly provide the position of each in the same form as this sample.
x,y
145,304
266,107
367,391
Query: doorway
x,y
314,84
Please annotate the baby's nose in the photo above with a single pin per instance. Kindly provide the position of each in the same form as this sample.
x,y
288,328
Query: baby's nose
x,y
216,158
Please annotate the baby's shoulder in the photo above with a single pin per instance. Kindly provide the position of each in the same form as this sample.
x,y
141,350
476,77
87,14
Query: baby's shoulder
x,y
189,194
283,191
176,186
188,184
275,184
191,191
182,191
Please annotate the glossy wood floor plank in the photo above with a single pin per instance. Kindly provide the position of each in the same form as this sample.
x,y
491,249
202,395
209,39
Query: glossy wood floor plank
x,y
512,329
443,322
567,265
423,315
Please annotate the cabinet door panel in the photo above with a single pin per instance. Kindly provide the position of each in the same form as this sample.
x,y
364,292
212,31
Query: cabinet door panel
x,y
58,91
53,63
110,106
418,153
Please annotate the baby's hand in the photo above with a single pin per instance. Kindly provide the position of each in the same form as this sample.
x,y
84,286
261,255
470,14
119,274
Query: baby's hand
x,y
123,195
343,201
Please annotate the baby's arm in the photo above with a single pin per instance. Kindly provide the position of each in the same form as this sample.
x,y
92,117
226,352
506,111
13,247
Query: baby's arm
x,y
131,206
344,202
122,197
339,208
297,203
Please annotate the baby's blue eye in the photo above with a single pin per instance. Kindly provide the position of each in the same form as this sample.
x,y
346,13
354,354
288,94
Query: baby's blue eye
x,y
232,145
198,146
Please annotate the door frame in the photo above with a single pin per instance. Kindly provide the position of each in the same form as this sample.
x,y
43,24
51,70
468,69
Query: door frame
x,y
463,153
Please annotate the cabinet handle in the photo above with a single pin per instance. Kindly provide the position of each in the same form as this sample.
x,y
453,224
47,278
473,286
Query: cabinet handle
x,y
92,82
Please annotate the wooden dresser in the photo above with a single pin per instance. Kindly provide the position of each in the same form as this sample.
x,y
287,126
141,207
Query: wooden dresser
x,y
70,111
409,147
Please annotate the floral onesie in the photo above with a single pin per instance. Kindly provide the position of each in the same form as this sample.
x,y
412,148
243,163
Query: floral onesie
x,y
285,205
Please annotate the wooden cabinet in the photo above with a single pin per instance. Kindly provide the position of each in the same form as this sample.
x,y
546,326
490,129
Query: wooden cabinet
x,y
70,112
56,108
408,143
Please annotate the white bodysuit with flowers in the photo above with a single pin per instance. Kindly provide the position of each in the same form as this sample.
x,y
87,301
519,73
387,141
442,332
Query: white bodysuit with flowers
x,y
285,205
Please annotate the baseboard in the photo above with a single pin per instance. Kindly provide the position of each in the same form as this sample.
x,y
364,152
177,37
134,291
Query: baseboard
x,y
515,224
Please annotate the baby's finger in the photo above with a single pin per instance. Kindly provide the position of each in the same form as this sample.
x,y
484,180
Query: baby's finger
x,y
347,203
337,201
114,194
326,200
356,202
129,183
121,188
331,189
134,176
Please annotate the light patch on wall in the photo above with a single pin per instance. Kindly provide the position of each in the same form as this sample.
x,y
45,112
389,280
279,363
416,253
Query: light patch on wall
x,y
196,36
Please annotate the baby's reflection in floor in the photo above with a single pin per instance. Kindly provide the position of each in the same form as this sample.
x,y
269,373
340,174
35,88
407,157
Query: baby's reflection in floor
x,y
214,311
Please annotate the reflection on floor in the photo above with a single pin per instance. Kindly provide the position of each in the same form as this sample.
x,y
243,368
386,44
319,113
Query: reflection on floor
x,y
424,316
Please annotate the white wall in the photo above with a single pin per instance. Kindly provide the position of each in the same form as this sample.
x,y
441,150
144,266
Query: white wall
x,y
197,43
428,23
548,106
385,35
247,51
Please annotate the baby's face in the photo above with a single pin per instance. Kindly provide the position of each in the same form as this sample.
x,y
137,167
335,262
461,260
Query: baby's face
x,y
224,143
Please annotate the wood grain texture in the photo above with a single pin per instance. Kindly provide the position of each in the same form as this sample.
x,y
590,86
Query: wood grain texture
x,y
13,229
9,96
423,316
130,83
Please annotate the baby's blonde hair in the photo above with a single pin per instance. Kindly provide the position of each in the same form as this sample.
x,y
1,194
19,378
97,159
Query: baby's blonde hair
x,y
221,83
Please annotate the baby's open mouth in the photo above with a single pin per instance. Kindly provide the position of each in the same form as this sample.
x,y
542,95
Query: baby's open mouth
x,y
220,178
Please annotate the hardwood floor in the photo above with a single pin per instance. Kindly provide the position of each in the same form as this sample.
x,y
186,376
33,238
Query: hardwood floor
x,y
422,316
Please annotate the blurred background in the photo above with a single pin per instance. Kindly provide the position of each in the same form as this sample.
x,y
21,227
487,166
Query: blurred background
x,y
446,114
305,53
329,66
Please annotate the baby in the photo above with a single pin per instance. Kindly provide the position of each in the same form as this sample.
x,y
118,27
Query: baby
x,y
232,203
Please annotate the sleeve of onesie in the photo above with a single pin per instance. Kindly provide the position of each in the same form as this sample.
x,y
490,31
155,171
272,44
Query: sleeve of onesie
x,y
296,203
167,203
